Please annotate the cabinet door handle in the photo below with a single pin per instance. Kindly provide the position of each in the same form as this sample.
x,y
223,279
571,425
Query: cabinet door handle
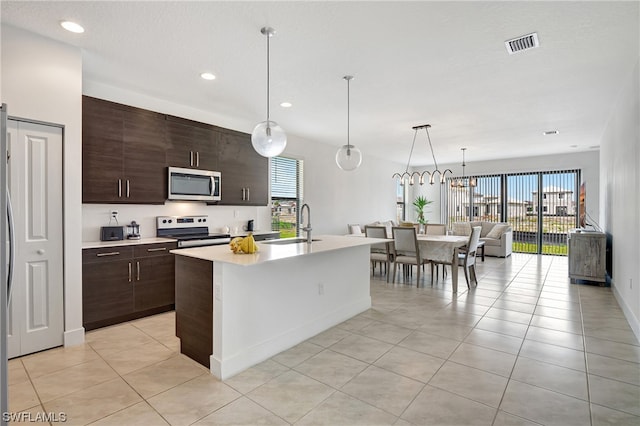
x,y
248,195
157,249
243,193
138,271
197,159
127,188
119,188
191,158
111,253
129,271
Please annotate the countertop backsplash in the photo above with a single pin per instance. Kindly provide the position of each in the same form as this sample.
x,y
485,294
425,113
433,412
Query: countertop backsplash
x,y
96,215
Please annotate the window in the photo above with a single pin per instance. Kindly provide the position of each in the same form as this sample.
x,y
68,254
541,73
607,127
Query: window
x,y
286,195
401,202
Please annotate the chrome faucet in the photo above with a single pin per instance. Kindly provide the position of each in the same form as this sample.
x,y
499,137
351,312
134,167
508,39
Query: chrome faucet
x,y
307,228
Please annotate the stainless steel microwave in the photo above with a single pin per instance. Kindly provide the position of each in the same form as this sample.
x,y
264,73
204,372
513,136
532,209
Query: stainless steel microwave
x,y
193,184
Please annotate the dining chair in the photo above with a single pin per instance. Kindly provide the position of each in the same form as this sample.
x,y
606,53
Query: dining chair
x,y
406,250
379,252
436,229
468,259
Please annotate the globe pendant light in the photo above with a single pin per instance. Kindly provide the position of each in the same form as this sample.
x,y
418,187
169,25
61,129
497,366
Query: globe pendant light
x,y
348,157
268,138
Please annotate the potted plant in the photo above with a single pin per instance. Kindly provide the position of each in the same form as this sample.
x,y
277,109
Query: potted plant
x,y
420,203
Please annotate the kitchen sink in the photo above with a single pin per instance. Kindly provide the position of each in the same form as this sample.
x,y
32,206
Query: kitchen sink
x,y
289,241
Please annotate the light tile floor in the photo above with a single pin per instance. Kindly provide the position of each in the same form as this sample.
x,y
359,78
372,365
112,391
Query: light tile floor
x,y
525,347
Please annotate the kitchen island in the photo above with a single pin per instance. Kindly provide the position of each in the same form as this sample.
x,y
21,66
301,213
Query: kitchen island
x,y
236,310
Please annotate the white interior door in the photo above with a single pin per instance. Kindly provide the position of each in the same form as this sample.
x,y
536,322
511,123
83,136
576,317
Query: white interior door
x,y
36,315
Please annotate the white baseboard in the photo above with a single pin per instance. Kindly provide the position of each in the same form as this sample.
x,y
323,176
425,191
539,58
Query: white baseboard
x,y
634,323
225,369
74,337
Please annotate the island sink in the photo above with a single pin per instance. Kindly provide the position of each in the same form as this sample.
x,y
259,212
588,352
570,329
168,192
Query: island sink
x,y
289,241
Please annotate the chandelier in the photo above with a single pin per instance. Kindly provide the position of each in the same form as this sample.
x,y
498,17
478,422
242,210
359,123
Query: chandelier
x,y
410,177
463,182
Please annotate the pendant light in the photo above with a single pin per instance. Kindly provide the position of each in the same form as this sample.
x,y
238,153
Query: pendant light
x,y
463,182
348,157
409,178
268,138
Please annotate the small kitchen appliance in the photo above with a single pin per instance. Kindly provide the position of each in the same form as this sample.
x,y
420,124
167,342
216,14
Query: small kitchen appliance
x,y
111,233
189,231
250,225
133,231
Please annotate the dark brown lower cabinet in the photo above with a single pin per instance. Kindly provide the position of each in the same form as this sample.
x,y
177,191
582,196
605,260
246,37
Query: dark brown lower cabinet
x,y
126,282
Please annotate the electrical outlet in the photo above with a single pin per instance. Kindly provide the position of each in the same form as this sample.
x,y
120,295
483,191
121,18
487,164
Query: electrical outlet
x,y
320,289
236,213
114,214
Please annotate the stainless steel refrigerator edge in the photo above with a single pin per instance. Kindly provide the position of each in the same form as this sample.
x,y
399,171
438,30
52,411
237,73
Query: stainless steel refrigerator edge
x,y
5,288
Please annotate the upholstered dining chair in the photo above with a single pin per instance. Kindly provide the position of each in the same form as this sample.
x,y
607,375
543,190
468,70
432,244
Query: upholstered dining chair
x,y
436,229
468,259
406,250
379,252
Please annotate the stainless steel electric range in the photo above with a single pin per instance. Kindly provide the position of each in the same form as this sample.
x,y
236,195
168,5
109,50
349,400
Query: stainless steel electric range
x,y
189,231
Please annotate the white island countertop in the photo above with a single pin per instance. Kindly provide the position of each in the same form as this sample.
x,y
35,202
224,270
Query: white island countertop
x,y
268,251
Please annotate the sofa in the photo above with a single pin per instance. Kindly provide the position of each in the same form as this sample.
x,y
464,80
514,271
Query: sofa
x,y
497,236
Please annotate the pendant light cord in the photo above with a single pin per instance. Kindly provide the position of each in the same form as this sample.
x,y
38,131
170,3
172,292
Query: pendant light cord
x,y
268,37
411,152
348,115
431,147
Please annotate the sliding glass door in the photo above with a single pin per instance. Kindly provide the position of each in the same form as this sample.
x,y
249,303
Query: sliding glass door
x,y
541,206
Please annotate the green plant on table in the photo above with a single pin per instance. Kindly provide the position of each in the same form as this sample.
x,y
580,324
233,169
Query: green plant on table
x,y
420,203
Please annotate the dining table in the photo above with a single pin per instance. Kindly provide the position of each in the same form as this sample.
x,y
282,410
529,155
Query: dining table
x,y
443,249
438,248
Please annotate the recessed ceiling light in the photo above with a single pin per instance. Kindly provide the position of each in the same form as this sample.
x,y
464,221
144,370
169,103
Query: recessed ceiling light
x,y
550,132
286,105
208,76
594,147
72,26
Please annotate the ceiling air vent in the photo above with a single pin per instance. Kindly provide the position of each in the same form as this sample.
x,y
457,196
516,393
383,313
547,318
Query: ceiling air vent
x,y
526,42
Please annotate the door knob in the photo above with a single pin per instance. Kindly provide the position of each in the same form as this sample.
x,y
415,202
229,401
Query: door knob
x,y
40,251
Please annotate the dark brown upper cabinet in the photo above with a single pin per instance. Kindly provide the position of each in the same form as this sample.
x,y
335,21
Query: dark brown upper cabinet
x,y
191,144
123,154
126,152
245,173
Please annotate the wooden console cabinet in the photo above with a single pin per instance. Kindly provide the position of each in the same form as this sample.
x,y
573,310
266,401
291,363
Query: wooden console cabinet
x,y
121,283
587,256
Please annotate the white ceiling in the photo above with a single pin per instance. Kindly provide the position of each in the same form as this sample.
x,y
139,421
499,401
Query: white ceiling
x,y
442,63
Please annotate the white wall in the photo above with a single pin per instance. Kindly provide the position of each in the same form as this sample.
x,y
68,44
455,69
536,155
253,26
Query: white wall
x,y
588,162
338,198
620,205
42,80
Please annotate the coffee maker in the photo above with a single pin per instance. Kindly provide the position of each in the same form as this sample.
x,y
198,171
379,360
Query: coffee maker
x,y
250,225
133,231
